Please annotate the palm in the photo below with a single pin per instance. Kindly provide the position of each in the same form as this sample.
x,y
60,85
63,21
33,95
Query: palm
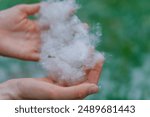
x,y
22,35
45,88
92,76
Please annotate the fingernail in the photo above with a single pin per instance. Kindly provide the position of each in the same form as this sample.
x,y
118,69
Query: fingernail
x,y
93,89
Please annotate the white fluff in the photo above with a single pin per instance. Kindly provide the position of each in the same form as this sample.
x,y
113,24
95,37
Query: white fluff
x,y
67,48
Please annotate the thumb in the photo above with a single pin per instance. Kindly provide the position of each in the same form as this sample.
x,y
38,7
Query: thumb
x,y
30,9
77,92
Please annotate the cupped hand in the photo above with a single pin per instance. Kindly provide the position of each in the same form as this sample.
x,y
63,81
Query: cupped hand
x,y
45,88
20,36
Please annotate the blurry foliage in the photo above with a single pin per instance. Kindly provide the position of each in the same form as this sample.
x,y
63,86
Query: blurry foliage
x,y
125,42
9,3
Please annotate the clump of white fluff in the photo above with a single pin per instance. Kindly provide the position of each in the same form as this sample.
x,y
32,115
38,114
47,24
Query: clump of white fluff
x,y
67,48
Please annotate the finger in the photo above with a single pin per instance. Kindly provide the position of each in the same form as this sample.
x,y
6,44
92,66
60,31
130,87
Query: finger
x,y
91,52
33,27
86,26
76,92
94,74
43,26
30,9
72,11
35,57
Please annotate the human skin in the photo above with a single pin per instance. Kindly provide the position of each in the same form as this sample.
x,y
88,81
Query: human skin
x,y
45,88
20,38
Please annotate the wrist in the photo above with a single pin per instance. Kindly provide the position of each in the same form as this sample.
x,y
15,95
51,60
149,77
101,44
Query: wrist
x,y
8,90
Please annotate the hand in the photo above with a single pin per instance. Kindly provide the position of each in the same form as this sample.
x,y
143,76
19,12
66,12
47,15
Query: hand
x,y
45,88
20,36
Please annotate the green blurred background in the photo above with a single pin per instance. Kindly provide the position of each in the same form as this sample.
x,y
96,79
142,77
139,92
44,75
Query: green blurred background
x,y
125,42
